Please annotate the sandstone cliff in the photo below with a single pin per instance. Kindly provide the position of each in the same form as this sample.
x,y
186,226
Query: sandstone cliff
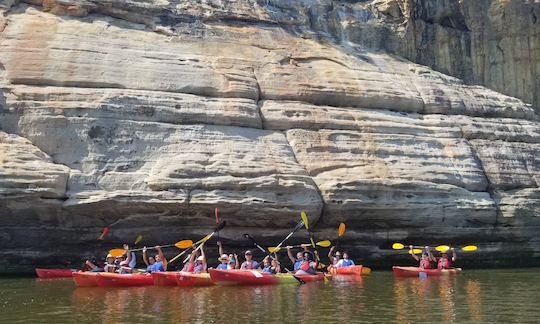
x,y
145,115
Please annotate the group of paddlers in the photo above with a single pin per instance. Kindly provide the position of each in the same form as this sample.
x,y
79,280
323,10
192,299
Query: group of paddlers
x,y
427,259
304,262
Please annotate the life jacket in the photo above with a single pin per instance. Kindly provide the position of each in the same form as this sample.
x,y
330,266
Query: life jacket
x,y
307,267
297,264
444,264
268,269
190,266
425,264
345,263
249,265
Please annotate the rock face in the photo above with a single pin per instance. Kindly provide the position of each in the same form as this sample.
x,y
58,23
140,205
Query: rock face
x,y
144,116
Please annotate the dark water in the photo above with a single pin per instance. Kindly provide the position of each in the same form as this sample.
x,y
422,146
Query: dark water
x,y
483,296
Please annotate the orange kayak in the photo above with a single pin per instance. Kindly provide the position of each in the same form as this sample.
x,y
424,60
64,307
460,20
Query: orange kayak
x,y
164,278
54,273
418,272
352,270
85,279
106,280
189,279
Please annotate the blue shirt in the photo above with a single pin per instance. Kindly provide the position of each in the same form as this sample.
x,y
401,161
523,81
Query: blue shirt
x,y
297,264
222,266
156,267
268,269
344,263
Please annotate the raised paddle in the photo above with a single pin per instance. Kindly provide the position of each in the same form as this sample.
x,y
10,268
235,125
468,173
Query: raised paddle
x,y
341,231
184,244
304,217
325,243
468,248
296,228
201,241
217,222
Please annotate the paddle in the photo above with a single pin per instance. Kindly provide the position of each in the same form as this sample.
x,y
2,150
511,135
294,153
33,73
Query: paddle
x,y
249,237
217,222
306,223
199,242
184,244
296,228
300,280
325,243
138,239
341,231
440,248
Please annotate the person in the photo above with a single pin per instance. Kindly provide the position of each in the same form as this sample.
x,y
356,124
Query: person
x,y
271,265
233,262
334,257
298,260
110,265
158,263
224,265
92,267
249,263
443,262
307,266
425,259
200,265
345,262
126,266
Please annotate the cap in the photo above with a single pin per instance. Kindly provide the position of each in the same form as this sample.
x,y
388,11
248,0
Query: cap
x,y
248,252
109,256
223,257
200,258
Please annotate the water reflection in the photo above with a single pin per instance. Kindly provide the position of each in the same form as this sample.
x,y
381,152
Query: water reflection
x,y
473,291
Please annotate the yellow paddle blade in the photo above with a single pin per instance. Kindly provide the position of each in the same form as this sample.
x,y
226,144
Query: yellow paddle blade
x,y
305,219
397,246
117,252
273,249
341,229
442,248
366,270
415,251
204,239
138,239
321,265
184,244
325,243
469,248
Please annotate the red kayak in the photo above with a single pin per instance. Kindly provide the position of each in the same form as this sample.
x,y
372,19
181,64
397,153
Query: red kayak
x,y
106,280
54,273
352,270
418,272
164,278
253,277
189,279
85,279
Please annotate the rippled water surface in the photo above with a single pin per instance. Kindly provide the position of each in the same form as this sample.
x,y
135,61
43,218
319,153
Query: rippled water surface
x,y
483,296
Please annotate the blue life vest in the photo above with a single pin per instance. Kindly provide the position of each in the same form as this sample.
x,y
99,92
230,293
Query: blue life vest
x,y
297,264
268,269
222,266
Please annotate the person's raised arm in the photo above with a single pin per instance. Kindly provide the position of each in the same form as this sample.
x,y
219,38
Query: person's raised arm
x,y
220,248
162,257
144,256
236,264
129,255
331,253
413,255
430,255
204,258
192,254
289,253
454,256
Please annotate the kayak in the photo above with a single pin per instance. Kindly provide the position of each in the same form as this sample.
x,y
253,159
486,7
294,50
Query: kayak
x,y
352,270
105,279
85,279
189,279
418,272
253,277
164,278
54,273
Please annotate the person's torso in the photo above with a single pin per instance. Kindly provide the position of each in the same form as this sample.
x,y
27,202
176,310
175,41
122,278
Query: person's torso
x,y
248,265
198,268
443,264
297,264
425,264
222,266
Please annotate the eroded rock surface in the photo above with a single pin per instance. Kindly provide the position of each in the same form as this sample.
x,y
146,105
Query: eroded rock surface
x,y
144,116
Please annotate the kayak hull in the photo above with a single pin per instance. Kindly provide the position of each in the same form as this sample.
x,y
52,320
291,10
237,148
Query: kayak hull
x,y
54,273
107,280
188,279
252,277
417,272
85,279
355,270
164,278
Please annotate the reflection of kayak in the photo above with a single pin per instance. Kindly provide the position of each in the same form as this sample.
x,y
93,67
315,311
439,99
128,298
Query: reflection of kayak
x,y
164,278
189,279
416,272
54,273
352,270
253,277
105,279
85,279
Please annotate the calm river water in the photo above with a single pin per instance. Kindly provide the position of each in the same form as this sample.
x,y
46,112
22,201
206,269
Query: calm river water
x,y
476,296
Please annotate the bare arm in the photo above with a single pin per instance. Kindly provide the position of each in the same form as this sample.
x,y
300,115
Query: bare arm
x,y
236,264
220,248
331,253
289,253
413,255
144,256
162,257
204,258
454,256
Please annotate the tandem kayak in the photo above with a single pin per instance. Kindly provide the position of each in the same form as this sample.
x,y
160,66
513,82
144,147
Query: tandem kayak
x,y
253,277
417,272
352,270
54,273
85,279
164,278
105,279
189,279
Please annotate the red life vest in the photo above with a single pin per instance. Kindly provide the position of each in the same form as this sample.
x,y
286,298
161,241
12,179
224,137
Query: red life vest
x,y
190,267
425,264
248,265
304,266
444,264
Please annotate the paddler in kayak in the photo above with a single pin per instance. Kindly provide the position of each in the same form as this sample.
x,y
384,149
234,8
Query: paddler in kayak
x,y
426,258
271,264
334,257
200,264
298,260
126,266
345,262
443,262
233,262
108,266
249,263
224,262
158,263
307,266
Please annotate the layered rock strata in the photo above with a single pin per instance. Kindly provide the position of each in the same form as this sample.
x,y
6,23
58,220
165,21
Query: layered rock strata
x,y
145,116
